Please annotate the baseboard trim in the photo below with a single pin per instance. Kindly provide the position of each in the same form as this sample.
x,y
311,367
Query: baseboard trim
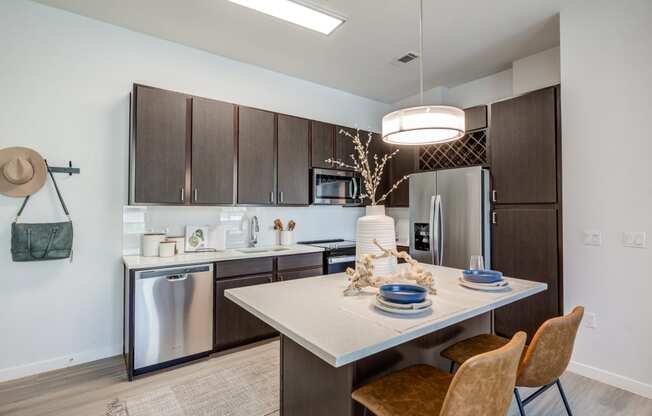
x,y
612,379
13,373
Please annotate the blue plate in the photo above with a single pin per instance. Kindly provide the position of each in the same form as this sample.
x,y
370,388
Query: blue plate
x,y
482,276
400,293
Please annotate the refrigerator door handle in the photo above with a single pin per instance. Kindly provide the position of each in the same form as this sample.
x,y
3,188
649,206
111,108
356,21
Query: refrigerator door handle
x,y
438,231
431,230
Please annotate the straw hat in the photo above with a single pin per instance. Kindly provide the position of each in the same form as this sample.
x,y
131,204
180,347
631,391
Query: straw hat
x,y
22,171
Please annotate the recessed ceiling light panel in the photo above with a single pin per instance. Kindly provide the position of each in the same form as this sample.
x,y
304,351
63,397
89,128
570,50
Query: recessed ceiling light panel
x,y
295,12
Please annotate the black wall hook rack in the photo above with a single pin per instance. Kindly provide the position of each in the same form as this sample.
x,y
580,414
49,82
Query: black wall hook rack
x,y
69,170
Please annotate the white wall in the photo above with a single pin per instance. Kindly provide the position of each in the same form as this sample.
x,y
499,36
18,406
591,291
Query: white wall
x,y
527,74
64,83
310,221
482,91
606,56
536,71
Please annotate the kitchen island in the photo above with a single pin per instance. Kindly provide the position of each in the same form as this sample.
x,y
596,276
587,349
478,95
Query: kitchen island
x,y
331,343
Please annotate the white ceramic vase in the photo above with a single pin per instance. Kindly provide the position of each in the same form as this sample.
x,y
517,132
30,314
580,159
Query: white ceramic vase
x,y
376,225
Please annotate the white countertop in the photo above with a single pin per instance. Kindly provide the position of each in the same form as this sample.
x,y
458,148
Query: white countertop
x,y
140,262
342,329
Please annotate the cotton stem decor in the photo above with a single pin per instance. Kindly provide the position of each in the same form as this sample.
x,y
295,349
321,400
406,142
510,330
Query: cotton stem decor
x,y
370,168
363,275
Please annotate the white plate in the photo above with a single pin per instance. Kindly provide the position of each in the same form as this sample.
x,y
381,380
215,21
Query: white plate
x,y
421,305
488,287
389,309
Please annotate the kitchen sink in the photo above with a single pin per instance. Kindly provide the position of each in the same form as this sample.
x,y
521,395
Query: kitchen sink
x,y
261,250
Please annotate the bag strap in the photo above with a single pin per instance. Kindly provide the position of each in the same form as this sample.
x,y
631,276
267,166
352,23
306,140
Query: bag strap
x,y
56,188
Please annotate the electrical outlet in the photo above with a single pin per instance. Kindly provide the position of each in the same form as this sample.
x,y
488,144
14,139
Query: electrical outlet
x,y
635,239
590,320
592,238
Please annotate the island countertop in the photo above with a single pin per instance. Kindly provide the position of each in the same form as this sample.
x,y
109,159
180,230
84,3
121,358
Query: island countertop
x,y
340,329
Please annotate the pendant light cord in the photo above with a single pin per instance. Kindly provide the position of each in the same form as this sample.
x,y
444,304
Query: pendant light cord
x,y
421,49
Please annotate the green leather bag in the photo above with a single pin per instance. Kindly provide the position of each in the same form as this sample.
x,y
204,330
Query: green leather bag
x,y
42,241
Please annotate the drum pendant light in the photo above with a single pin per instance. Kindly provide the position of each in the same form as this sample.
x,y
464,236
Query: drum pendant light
x,y
426,124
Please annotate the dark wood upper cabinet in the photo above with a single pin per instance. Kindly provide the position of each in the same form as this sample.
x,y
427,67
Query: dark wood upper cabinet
x,y
323,144
523,148
160,139
256,157
213,152
403,163
379,148
344,147
293,160
475,117
524,245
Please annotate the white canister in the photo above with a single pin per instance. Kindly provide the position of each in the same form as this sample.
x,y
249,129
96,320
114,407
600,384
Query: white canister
x,y
151,243
287,238
167,249
180,242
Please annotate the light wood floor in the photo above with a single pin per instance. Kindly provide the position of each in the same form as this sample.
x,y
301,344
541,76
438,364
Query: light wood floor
x,y
86,389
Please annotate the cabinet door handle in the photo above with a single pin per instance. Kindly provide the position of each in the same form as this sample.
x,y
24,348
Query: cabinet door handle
x,y
271,197
271,279
183,194
493,218
280,197
195,195
494,196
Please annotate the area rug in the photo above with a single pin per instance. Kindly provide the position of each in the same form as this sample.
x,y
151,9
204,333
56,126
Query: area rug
x,y
245,385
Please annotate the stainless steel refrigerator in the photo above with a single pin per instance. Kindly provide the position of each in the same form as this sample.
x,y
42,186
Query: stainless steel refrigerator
x,y
449,216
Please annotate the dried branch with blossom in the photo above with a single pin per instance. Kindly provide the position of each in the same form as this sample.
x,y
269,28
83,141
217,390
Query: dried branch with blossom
x,y
363,275
370,168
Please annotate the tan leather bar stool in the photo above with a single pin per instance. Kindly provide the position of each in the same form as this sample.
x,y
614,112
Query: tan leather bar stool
x,y
543,362
482,386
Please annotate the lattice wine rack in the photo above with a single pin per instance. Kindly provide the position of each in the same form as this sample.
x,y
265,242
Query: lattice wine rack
x,y
470,150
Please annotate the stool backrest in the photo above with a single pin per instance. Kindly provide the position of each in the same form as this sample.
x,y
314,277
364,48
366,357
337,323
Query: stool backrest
x,y
484,384
550,351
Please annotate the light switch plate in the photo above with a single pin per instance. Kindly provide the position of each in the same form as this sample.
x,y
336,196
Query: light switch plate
x,y
635,239
592,238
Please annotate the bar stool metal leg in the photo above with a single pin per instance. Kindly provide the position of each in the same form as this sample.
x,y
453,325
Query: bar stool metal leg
x,y
563,397
519,402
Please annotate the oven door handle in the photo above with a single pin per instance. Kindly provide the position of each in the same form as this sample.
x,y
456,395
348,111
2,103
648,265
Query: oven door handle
x,y
341,259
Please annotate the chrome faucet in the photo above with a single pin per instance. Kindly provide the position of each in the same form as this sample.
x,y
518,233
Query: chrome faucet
x,y
253,231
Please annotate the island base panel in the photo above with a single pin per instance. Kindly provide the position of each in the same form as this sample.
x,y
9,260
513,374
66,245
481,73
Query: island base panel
x,y
311,386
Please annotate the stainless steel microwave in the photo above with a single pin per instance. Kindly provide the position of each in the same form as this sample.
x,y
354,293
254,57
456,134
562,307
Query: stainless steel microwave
x,y
335,187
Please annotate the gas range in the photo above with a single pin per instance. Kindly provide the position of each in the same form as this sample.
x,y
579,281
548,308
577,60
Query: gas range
x,y
339,254
330,244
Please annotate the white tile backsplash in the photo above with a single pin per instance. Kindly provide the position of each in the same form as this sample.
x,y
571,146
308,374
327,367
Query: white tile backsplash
x,y
313,223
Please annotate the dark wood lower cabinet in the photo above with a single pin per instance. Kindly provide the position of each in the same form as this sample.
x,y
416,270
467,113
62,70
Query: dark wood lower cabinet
x,y
299,274
235,326
524,245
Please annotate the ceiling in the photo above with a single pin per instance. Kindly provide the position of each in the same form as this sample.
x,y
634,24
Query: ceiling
x,y
463,40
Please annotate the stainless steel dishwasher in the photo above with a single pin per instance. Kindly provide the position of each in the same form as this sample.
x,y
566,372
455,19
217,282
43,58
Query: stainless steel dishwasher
x,y
173,315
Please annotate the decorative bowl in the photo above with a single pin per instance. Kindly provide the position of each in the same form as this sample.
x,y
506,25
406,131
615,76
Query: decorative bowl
x,y
403,293
482,276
